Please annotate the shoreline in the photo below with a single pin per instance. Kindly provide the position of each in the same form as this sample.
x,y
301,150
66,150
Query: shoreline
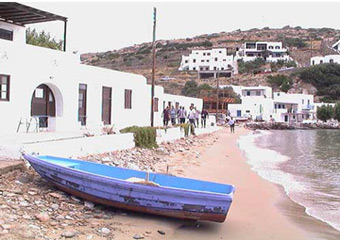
x,y
260,210
297,213
253,212
291,126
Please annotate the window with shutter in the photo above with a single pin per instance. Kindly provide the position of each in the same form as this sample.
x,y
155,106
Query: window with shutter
x,y
4,87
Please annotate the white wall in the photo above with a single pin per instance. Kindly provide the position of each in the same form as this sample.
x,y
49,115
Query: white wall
x,y
30,66
317,60
253,107
276,49
326,59
304,101
19,33
264,105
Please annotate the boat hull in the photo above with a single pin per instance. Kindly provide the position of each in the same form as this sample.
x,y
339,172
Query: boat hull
x,y
175,203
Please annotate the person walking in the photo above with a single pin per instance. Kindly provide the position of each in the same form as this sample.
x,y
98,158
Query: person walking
x,y
182,115
204,115
173,115
197,116
191,116
232,125
166,116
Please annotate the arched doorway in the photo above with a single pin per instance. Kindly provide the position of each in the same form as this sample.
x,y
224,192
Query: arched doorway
x,y
43,105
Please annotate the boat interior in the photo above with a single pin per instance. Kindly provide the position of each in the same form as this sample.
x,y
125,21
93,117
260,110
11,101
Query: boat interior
x,y
124,174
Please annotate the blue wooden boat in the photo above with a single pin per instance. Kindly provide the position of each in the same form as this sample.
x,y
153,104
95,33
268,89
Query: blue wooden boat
x,y
136,190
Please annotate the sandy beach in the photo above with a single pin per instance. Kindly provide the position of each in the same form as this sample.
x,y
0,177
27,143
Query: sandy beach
x,y
253,214
260,209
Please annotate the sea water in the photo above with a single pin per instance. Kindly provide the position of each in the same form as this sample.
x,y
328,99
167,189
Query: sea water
x,y
305,162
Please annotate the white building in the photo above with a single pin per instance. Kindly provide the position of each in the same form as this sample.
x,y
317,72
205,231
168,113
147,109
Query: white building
x,y
51,90
336,46
270,51
209,62
326,59
260,103
256,103
293,107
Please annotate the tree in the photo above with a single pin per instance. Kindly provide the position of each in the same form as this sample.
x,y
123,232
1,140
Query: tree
x,y
265,54
251,66
42,39
325,113
190,89
204,90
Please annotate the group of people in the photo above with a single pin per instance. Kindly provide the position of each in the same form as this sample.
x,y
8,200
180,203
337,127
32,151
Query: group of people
x,y
180,115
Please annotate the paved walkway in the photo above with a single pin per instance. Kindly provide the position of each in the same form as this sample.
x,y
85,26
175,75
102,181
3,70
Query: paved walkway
x,y
12,145
74,144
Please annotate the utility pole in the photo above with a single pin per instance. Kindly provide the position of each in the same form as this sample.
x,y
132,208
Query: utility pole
x,y
311,48
153,66
218,93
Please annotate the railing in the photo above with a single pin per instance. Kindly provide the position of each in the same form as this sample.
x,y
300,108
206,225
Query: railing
x,y
310,107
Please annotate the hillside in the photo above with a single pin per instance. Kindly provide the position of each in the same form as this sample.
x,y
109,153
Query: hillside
x,y
302,44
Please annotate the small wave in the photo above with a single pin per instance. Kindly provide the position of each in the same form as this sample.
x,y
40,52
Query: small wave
x,y
266,163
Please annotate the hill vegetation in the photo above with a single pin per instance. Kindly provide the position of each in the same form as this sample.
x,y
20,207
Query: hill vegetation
x,y
282,82
325,78
302,43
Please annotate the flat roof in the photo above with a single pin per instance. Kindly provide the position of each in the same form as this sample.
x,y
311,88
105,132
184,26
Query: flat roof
x,y
20,14
221,99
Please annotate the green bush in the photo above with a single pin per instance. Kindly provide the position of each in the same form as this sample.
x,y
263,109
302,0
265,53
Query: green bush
x,y
283,82
251,66
187,127
190,89
290,64
294,42
274,66
325,113
185,45
42,39
326,99
144,50
144,137
337,112
324,77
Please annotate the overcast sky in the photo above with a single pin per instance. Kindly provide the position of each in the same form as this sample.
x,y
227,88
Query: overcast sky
x,y
95,27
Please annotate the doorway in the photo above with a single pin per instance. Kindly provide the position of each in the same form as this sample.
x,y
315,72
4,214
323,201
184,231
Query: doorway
x,y
106,105
82,104
43,105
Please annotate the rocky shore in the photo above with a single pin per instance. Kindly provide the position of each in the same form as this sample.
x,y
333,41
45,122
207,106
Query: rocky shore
x,y
291,126
31,208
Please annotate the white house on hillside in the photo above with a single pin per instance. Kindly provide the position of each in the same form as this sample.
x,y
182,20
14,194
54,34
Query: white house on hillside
x,y
326,59
209,63
48,89
270,51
